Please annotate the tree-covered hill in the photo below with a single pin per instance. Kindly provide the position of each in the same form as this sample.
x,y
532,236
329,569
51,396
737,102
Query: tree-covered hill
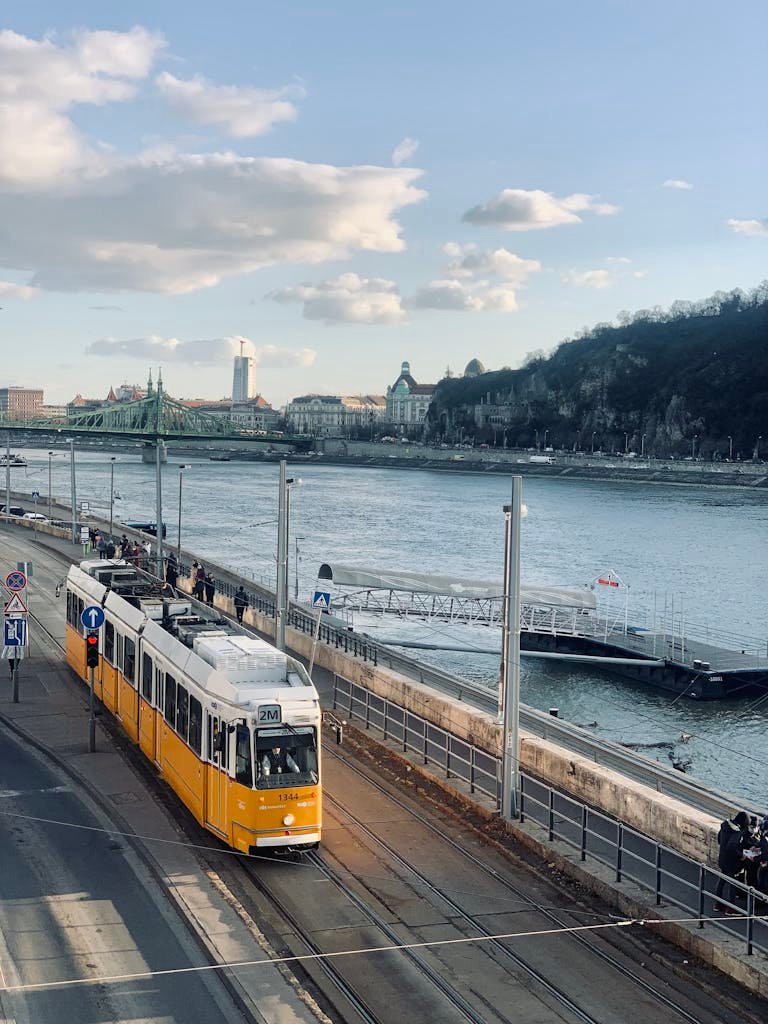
x,y
672,382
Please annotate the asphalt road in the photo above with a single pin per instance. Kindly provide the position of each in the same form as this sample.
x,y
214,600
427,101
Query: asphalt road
x,y
77,903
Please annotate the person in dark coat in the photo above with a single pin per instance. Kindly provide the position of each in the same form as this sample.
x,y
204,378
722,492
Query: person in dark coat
x,y
172,570
731,838
199,588
101,546
210,588
241,603
110,548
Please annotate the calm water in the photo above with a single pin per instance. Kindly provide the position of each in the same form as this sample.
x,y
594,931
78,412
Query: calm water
x,y
704,544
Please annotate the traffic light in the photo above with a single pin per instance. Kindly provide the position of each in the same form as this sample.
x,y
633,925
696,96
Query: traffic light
x,y
92,650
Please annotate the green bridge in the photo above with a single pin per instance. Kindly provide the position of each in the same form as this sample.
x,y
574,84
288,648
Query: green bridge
x,y
156,417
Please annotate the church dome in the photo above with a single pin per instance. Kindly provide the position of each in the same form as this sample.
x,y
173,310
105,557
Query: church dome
x,y
474,368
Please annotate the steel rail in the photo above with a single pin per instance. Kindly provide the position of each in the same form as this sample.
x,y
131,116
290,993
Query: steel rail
x,y
519,894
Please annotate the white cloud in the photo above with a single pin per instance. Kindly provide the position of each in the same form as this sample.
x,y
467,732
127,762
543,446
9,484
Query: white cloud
x,y
678,183
78,217
458,297
40,81
404,150
617,259
754,228
347,299
519,209
199,352
8,290
499,263
590,278
240,111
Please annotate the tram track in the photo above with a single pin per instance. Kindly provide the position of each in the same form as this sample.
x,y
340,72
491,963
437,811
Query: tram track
x,y
519,894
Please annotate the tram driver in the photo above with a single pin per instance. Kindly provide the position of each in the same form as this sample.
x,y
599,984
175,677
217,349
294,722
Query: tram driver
x,y
278,762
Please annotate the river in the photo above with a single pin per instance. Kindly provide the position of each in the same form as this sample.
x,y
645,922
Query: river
x,y
705,545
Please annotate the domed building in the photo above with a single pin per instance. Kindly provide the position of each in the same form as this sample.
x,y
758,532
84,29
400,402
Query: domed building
x,y
407,401
474,368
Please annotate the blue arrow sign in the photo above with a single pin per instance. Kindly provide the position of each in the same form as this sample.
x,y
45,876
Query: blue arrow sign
x,y
92,617
321,599
15,633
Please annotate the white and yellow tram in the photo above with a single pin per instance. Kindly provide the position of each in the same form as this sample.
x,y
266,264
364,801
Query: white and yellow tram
x,y
232,723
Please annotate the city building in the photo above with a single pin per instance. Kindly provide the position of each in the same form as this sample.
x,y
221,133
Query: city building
x,y
255,414
20,403
407,401
243,378
335,414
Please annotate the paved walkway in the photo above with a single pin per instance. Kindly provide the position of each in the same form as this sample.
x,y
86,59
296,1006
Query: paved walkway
x,y
52,715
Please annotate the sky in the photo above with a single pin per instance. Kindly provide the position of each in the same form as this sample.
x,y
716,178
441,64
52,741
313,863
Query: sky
x,y
346,186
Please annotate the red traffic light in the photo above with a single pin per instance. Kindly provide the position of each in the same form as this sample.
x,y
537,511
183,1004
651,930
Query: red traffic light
x,y
92,641
92,650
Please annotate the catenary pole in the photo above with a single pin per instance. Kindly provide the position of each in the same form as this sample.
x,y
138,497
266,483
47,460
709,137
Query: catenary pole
x,y
8,478
281,590
511,682
159,504
73,486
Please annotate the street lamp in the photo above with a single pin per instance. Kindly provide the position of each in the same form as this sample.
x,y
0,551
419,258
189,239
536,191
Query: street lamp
x,y
757,447
50,499
593,441
296,540
178,532
626,443
693,445
730,448
642,445
545,438
111,493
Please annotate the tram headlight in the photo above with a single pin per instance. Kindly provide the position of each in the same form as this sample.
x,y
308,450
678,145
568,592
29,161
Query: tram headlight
x,y
288,819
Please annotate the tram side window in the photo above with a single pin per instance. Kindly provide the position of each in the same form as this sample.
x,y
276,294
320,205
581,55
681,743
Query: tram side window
x,y
195,724
146,677
129,671
119,651
243,772
159,693
217,742
170,700
182,712
109,642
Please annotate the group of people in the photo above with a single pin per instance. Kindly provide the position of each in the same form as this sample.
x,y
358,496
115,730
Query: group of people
x,y
204,586
743,855
131,551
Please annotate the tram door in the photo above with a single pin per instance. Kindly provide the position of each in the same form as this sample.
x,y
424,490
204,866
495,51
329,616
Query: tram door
x,y
216,790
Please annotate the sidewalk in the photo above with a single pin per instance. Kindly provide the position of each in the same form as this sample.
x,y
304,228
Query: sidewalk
x,y
52,715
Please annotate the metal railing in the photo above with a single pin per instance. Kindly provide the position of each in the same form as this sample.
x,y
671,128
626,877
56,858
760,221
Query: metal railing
x,y
670,877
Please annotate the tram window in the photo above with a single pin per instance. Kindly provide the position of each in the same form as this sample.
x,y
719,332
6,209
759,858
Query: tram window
x,y
195,724
170,700
243,771
158,702
109,642
146,677
129,671
78,613
182,712
119,651
286,757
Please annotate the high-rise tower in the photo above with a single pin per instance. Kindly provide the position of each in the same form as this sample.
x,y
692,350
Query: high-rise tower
x,y
243,378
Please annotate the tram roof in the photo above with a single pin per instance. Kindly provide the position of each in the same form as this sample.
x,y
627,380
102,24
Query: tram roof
x,y
453,586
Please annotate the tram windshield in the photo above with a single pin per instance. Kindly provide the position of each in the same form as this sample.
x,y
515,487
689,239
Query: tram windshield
x,y
286,757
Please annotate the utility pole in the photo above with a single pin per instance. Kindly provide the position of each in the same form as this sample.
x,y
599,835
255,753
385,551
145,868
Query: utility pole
x,y
159,505
510,680
73,485
111,493
281,589
7,478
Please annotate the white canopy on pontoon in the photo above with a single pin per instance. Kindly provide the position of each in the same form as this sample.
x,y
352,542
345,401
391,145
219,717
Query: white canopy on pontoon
x,y
452,586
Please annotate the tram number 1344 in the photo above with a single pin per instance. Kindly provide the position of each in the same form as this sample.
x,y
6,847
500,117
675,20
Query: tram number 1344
x,y
269,714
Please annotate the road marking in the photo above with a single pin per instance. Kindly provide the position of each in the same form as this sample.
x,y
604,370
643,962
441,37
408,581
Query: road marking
x,y
9,794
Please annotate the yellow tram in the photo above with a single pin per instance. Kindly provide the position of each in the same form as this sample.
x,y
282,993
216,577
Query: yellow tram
x,y
232,723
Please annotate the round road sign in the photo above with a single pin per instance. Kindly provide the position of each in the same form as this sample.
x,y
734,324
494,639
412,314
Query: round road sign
x,y
92,617
15,580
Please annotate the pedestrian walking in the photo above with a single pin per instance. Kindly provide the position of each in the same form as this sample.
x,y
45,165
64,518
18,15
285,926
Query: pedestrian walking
x,y
172,570
241,603
125,546
199,589
210,588
102,546
110,548
731,839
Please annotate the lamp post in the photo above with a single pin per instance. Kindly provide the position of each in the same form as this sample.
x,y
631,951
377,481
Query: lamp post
x,y
510,669
545,438
642,445
626,443
178,532
111,494
593,441
757,448
730,448
296,540
693,445
50,498
73,485
538,446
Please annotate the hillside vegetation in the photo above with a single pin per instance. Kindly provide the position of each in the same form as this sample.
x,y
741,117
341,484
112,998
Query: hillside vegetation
x,y
688,378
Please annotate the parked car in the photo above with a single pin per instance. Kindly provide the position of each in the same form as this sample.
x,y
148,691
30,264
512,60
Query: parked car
x,y
37,516
13,510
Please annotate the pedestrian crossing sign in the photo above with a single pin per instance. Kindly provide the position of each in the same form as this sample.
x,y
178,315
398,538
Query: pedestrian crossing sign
x,y
322,599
